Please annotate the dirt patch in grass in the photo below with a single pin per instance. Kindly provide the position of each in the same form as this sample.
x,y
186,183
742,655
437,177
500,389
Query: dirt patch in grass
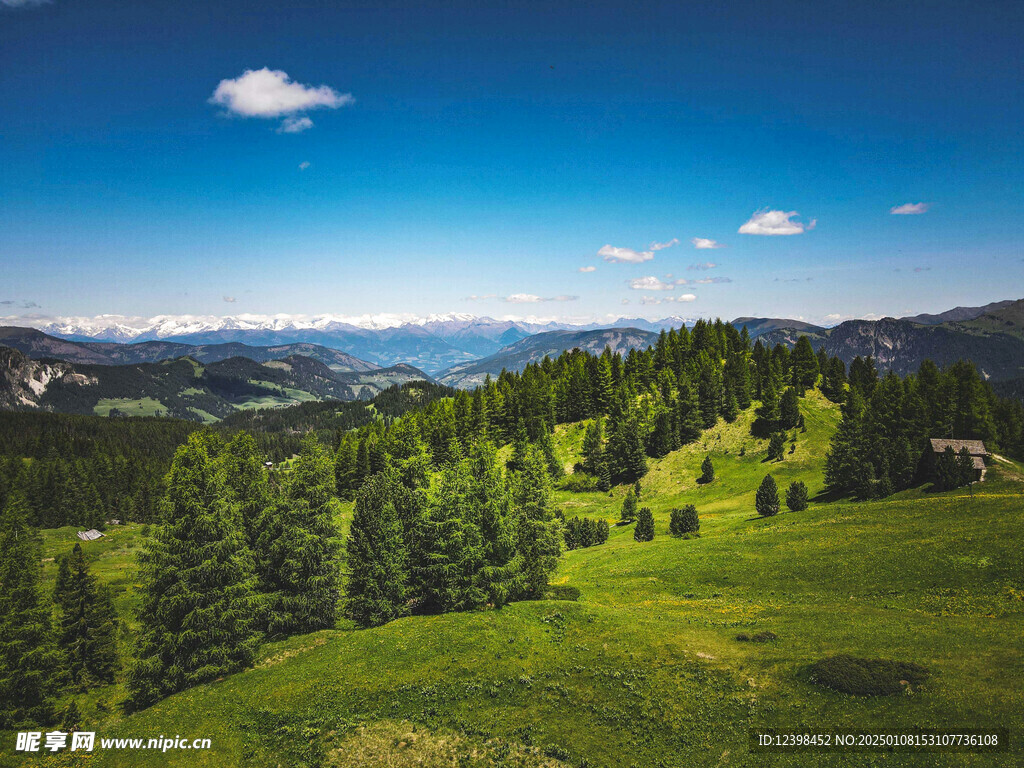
x,y
406,745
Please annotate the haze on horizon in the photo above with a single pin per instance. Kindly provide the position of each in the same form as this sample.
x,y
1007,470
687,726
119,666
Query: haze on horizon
x,y
575,162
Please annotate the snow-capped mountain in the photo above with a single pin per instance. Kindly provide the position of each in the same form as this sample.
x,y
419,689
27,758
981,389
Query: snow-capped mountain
x,y
431,343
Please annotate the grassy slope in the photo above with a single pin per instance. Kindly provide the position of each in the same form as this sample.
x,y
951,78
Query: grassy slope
x,y
645,669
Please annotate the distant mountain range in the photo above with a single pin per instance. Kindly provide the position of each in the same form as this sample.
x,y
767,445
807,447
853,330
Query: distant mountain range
x,y
39,345
208,373
432,344
517,356
183,387
993,339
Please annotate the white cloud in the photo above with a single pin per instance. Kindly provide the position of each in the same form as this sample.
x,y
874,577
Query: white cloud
x,y
662,246
705,266
650,283
766,222
624,255
650,300
701,243
483,297
303,165
686,297
22,3
909,208
833,317
712,280
230,299
295,125
624,301
586,269
530,298
271,93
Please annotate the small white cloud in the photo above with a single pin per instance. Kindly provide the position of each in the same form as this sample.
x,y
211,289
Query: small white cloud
x,y
483,297
766,222
586,269
295,125
230,299
303,165
909,209
703,267
686,297
650,283
624,301
271,93
702,243
662,246
22,3
650,300
624,255
712,280
833,317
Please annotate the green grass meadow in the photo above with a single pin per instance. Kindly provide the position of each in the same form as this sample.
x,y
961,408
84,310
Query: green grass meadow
x,y
645,669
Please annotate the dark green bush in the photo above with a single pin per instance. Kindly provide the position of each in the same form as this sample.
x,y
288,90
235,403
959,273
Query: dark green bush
x,y
866,677
764,637
683,521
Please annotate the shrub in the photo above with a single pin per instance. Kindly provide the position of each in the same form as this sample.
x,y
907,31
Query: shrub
x,y
866,677
683,521
629,506
644,530
796,496
776,446
767,499
707,471
579,482
764,637
743,637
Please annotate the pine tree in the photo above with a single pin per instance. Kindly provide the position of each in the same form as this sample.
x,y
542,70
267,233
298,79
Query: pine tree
x,y
27,657
299,548
554,464
965,467
707,471
789,409
198,614
593,448
626,450
684,521
246,479
537,539
663,438
947,473
629,506
688,420
492,498
644,529
796,496
87,628
767,414
804,365
766,501
346,467
378,558
777,446
451,553
730,410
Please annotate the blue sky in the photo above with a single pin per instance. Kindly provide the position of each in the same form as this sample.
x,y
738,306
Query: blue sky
x,y
458,150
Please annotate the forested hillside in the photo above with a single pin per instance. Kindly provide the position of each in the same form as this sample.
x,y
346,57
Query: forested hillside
x,y
530,520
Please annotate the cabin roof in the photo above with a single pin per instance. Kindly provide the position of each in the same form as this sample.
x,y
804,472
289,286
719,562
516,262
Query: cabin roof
x,y
974,447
